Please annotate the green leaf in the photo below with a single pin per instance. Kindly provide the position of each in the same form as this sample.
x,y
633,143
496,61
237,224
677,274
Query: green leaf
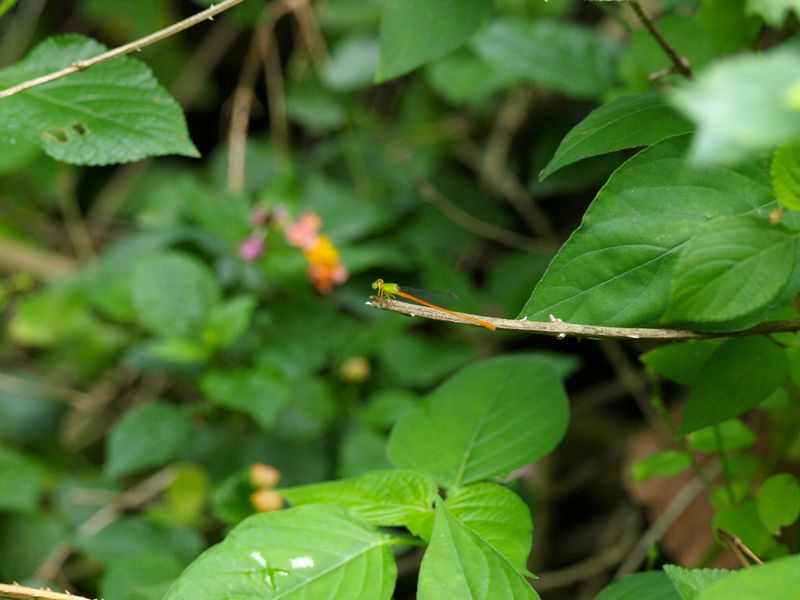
x,y
353,64
229,320
681,362
743,522
260,393
150,435
616,268
779,502
737,377
728,435
140,577
487,420
625,122
20,482
661,464
652,585
560,55
786,175
730,271
112,113
728,25
776,580
390,498
174,294
735,120
690,582
459,564
498,517
774,12
37,534
462,78
318,551
414,32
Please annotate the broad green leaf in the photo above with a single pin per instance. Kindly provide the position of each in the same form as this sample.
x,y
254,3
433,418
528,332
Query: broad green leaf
x,y
743,522
318,551
414,32
560,55
144,576
728,435
459,564
390,498
661,464
735,120
774,12
498,517
112,113
776,580
652,585
260,393
134,536
779,502
616,268
353,64
487,420
174,294
681,362
728,25
690,582
625,122
38,534
786,175
150,435
737,377
229,320
462,77
730,271
20,482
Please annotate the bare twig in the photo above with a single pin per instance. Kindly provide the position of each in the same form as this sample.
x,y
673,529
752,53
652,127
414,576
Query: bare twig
x,y
561,330
42,264
276,98
77,232
82,65
682,64
498,234
20,592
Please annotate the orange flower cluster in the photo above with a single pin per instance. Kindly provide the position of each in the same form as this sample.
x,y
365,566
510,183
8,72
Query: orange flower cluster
x,y
325,268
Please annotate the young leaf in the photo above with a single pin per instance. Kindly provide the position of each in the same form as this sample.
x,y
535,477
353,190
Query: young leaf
x,y
615,269
681,362
498,516
414,32
725,437
776,580
786,175
459,564
734,121
690,582
730,271
20,481
625,122
147,436
652,585
114,112
319,551
390,498
174,294
563,56
737,377
661,464
779,502
485,421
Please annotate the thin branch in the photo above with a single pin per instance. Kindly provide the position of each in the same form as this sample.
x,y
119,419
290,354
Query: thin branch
x,y
20,592
134,46
42,264
682,64
561,330
490,231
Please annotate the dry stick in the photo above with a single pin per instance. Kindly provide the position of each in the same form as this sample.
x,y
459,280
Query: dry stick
x,y
561,330
20,592
276,99
489,231
42,264
82,65
682,64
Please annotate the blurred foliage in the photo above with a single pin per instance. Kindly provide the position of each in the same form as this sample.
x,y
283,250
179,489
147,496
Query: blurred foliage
x,y
181,333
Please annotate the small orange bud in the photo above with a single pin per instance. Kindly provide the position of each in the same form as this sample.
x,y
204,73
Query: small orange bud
x,y
264,476
776,216
266,500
